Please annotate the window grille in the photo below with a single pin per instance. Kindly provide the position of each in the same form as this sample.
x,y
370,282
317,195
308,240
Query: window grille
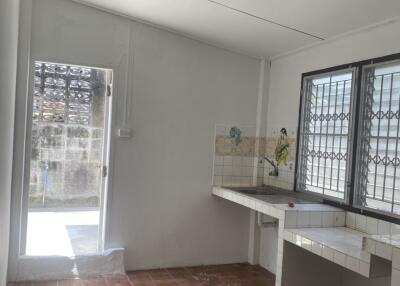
x,y
324,134
63,93
378,185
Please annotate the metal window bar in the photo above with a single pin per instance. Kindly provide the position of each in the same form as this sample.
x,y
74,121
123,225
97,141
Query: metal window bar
x,y
315,127
377,187
320,137
333,139
319,155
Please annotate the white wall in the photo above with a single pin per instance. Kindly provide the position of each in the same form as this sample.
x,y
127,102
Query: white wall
x,y
286,71
285,82
8,61
161,206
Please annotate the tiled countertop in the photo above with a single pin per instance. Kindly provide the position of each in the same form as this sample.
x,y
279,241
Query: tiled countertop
x,y
393,240
388,247
325,231
302,213
385,246
261,203
340,245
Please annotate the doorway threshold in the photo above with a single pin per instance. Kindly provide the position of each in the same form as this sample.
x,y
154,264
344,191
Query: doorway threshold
x,y
41,268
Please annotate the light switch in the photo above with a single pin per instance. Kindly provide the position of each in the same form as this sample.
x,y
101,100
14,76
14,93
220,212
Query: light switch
x,y
124,132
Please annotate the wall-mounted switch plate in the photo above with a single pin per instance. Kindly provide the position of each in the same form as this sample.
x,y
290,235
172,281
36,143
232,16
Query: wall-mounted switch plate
x,y
124,132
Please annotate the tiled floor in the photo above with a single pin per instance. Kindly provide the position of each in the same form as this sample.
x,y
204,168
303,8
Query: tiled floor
x,y
219,275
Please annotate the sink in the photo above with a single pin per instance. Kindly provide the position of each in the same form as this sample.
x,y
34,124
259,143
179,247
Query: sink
x,y
271,196
282,199
255,191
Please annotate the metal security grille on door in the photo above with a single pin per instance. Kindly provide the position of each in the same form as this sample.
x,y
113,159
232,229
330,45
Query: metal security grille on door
x,y
324,134
67,133
63,93
379,154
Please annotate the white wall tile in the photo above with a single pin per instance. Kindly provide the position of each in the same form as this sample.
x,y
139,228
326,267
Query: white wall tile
x,y
227,170
383,250
327,253
372,225
306,243
395,229
364,268
303,219
291,219
228,160
316,248
395,277
297,239
327,219
218,170
219,160
396,258
351,220
236,170
340,218
365,256
236,160
361,222
217,180
288,236
383,227
248,161
315,219
339,258
370,246
353,264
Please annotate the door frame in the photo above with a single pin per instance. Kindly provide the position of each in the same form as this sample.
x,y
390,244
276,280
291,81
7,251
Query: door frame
x,y
106,154
25,78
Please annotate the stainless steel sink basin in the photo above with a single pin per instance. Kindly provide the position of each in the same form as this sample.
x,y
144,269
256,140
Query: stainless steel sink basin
x,y
271,196
255,191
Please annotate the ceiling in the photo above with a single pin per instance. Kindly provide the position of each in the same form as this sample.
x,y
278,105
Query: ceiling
x,y
257,27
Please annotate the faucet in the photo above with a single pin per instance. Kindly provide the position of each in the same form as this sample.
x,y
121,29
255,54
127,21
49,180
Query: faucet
x,y
275,172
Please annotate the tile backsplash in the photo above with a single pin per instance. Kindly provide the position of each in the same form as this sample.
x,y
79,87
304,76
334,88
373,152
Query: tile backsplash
x,y
239,161
236,160
285,179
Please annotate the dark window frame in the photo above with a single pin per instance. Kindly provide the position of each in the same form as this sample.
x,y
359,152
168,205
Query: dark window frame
x,y
349,204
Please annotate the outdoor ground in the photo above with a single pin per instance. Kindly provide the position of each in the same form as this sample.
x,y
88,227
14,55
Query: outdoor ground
x,y
62,233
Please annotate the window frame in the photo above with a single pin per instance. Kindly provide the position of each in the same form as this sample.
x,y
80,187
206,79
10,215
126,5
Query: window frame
x,y
349,203
358,153
331,72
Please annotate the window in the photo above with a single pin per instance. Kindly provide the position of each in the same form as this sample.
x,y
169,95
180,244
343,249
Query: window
x,y
349,149
324,134
379,155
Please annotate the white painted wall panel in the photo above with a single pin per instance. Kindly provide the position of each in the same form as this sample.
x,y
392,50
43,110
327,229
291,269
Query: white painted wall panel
x,y
9,11
286,71
161,208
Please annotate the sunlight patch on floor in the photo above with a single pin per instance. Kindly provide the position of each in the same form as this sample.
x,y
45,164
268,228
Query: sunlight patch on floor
x,y
62,233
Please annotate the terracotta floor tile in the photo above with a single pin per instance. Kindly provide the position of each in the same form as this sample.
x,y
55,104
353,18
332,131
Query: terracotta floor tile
x,y
118,281
70,282
20,284
166,282
240,274
159,274
141,275
93,282
144,283
45,283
